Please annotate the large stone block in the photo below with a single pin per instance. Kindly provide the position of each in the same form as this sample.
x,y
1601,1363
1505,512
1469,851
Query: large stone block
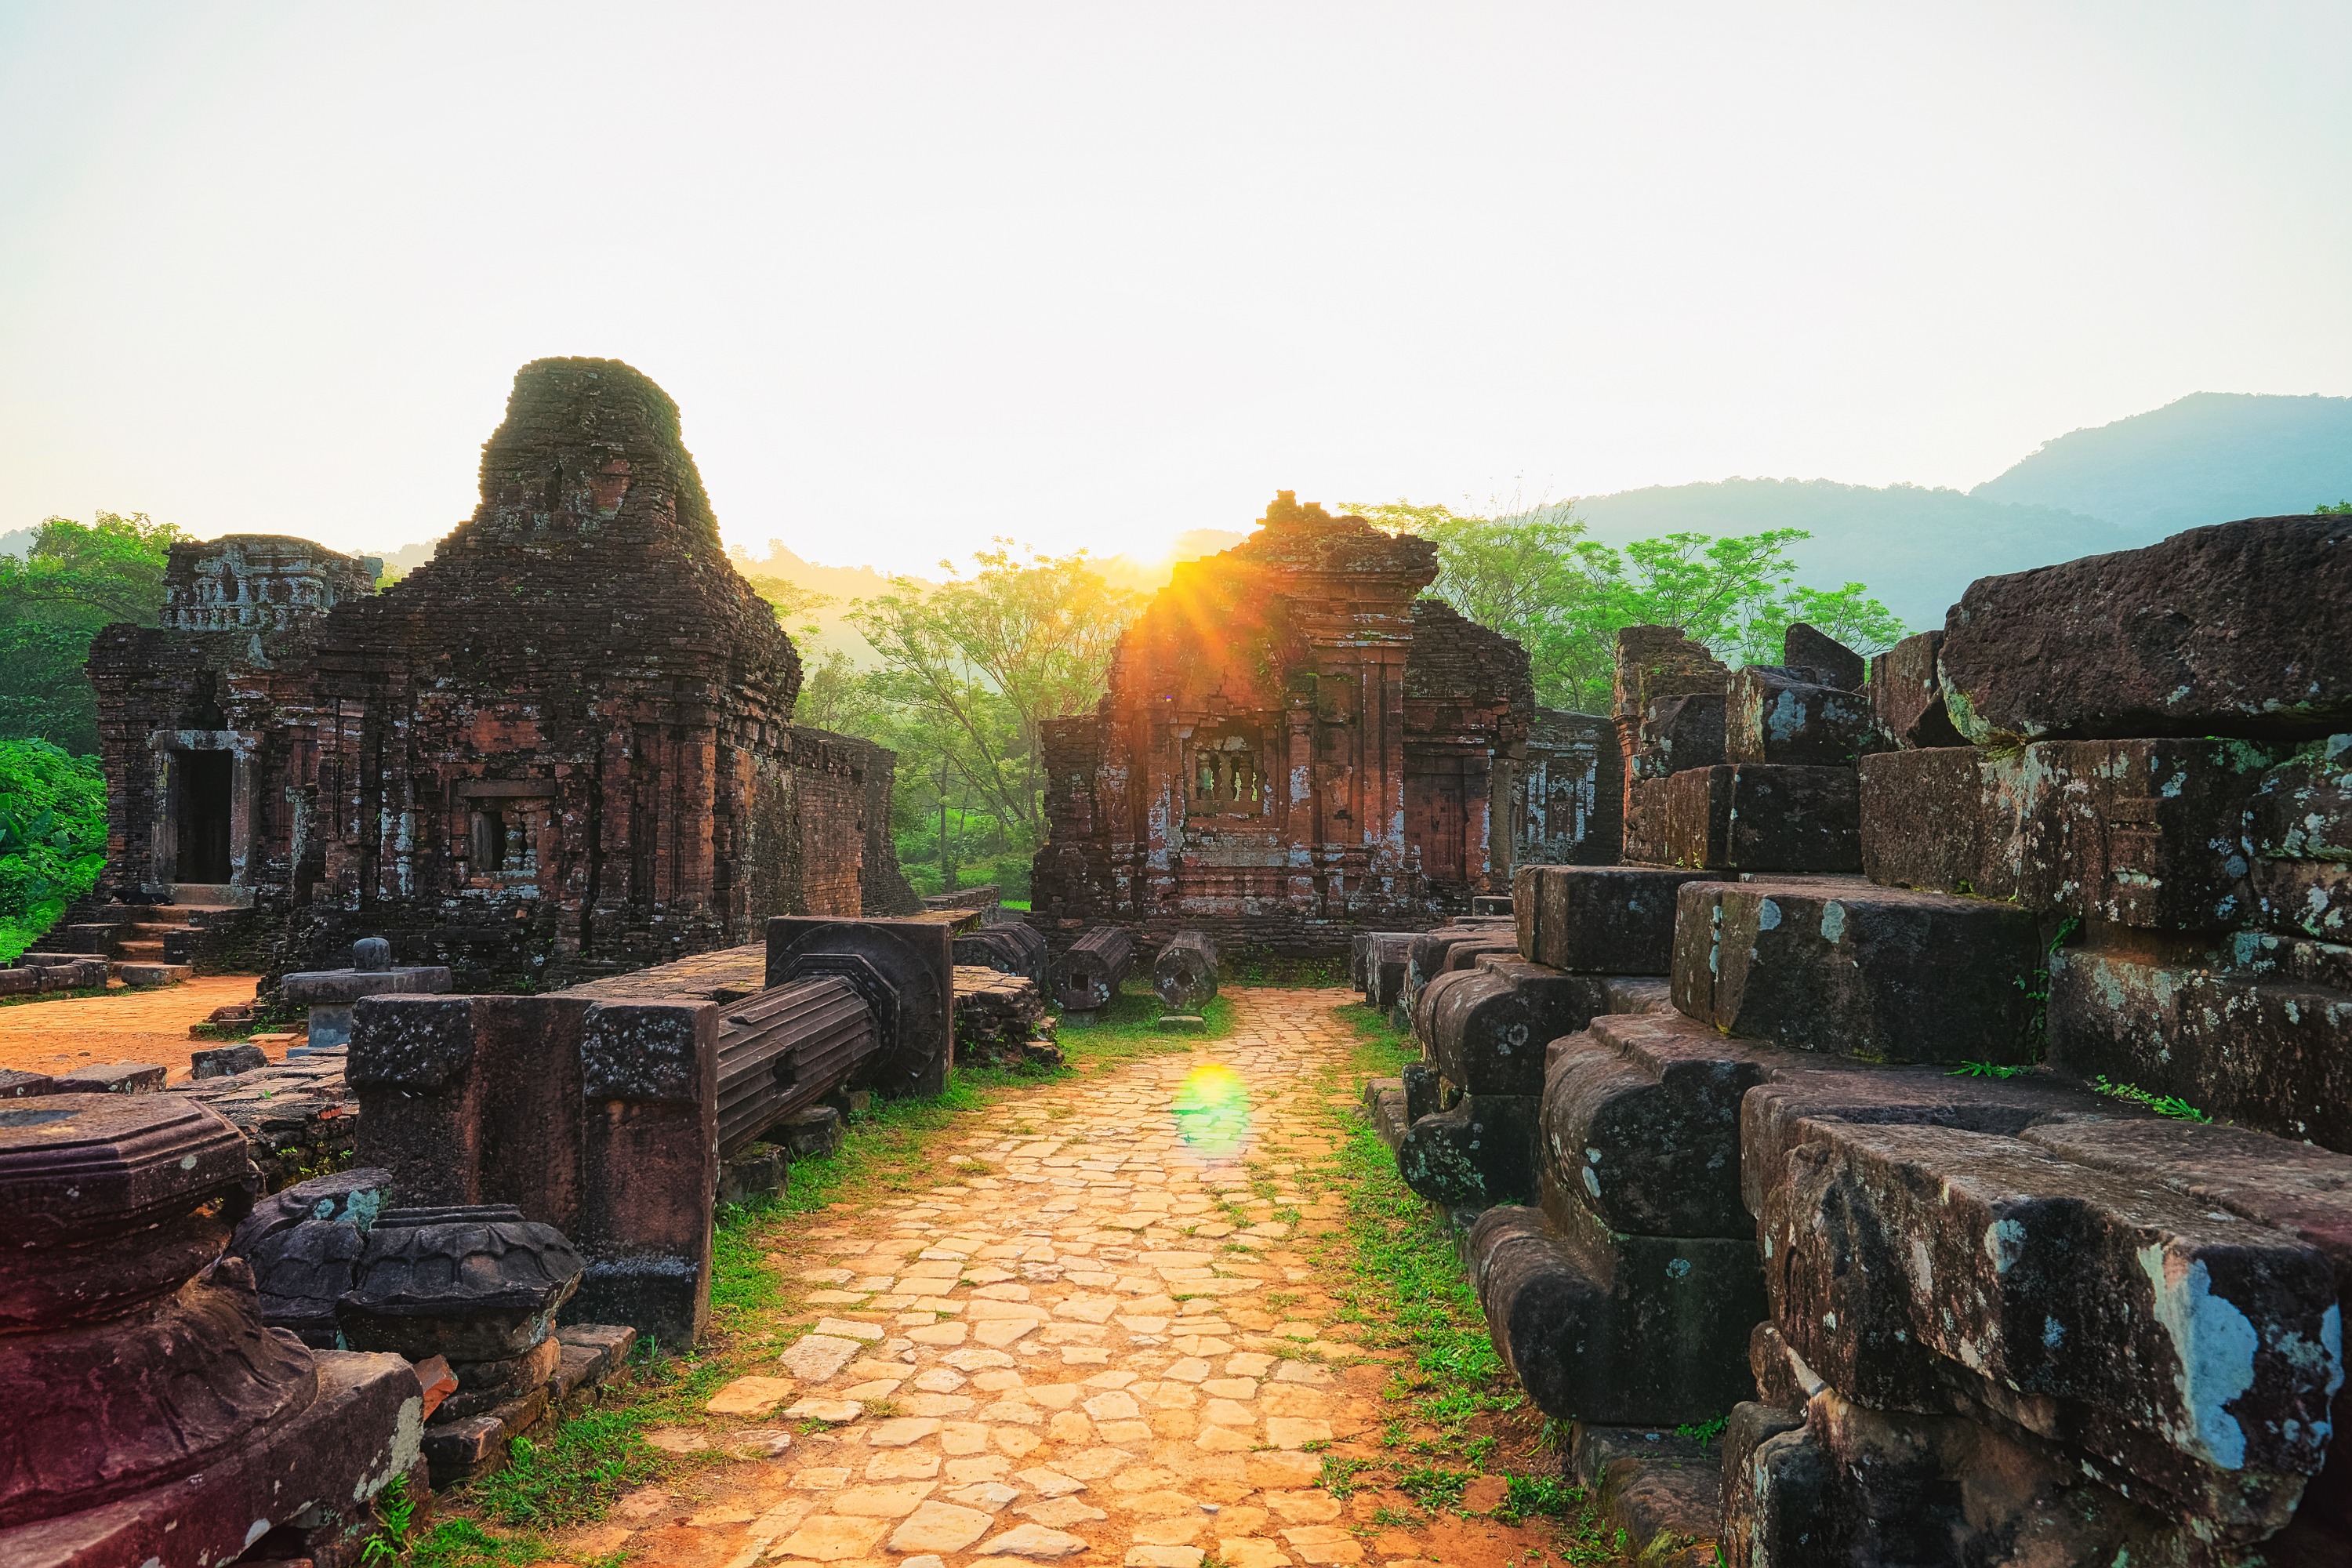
x,y
2155,833
2292,1187
1762,816
1479,1154
1489,1026
1640,1125
1886,973
2244,628
1781,715
1614,1329
1837,1484
1799,1103
1599,919
2275,1054
2170,1352
1680,732
1906,695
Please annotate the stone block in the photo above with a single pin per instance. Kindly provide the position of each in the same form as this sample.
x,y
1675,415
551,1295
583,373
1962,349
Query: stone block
x,y
146,976
18,1084
1828,661
1431,954
1848,968
1762,816
1800,1102
1640,1125
758,1171
112,1077
2154,834
1489,1026
1839,1486
1599,919
1683,732
1480,1152
2169,1351
1649,1483
1780,715
1906,695
1385,969
1612,1329
2272,1053
2244,628
224,1061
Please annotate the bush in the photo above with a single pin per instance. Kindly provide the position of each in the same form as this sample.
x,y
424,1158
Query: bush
x,y
52,837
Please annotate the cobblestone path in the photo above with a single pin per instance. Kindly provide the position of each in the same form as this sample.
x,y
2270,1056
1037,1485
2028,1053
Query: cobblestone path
x,y
1099,1343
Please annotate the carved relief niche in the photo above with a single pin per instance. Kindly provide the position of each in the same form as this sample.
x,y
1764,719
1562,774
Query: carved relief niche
x,y
506,823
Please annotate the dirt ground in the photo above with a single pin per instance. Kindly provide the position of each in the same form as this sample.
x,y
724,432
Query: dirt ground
x,y
123,1026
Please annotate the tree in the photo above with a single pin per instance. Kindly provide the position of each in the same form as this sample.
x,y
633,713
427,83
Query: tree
x,y
1536,576
52,837
77,579
976,665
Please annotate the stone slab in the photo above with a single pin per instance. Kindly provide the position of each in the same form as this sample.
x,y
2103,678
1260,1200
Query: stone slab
x,y
1762,816
1599,919
2244,629
1884,974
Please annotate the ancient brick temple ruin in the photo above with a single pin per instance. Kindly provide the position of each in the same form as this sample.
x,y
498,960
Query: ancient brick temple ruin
x,y
562,747
1296,743
1948,1100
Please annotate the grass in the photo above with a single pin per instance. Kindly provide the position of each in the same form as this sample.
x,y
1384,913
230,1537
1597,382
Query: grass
x,y
1402,1280
1129,1027
2170,1105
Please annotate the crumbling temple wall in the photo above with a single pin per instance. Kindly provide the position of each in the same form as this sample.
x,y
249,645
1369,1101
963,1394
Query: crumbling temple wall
x,y
1952,1101
1565,795
1291,746
560,748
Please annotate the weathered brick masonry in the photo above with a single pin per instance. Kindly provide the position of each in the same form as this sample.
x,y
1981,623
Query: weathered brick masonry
x,y
1296,745
560,748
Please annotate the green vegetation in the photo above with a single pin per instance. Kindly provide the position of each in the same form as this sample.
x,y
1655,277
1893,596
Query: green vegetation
x,y
1539,576
52,837
2168,1105
2340,509
1987,1070
77,578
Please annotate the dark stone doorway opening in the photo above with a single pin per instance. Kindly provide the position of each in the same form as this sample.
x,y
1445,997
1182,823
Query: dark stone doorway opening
x,y
203,827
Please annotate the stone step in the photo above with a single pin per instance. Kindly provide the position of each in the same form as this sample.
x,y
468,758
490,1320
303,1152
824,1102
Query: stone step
x,y
1599,919
1852,969
1614,1329
1663,1489
149,975
143,949
2178,1352
1487,1028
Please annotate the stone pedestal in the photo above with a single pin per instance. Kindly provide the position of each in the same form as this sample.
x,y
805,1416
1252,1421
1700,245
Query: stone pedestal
x,y
154,1417
330,993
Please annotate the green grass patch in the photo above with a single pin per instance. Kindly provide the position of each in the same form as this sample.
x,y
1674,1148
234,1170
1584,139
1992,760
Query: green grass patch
x,y
1129,1027
1402,1278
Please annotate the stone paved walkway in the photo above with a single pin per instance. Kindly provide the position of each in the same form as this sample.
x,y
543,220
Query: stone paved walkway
x,y
136,1026
1102,1345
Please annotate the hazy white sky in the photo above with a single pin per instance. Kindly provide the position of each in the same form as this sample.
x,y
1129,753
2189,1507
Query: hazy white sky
x,y
1093,274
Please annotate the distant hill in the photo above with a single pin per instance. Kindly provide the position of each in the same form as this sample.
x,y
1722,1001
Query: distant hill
x,y
2209,457
2212,456
1916,548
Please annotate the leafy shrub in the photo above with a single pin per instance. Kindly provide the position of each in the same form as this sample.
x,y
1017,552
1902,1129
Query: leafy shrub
x,y
52,837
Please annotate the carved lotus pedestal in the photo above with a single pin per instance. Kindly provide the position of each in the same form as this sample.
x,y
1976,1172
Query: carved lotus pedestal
x,y
479,1286
151,1416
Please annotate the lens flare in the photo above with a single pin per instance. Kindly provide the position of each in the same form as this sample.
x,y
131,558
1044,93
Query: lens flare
x,y
1212,1109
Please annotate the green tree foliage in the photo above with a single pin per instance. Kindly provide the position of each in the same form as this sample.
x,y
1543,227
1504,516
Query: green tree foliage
x,y
52,837
970,670
1535,576
77,579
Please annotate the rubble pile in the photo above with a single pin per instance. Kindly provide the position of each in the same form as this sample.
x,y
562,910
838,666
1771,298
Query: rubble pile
x,y
1948,1094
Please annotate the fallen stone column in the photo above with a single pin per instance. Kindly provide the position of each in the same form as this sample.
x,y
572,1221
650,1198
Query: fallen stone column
x,y
1089,974
782,1050
1184,975
1015,948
